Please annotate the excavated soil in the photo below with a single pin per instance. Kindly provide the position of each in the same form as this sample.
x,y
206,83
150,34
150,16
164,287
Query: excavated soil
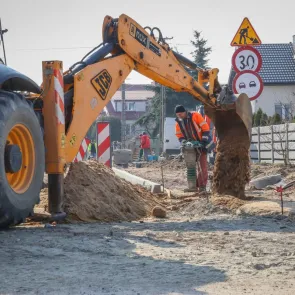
x,y
94,193
227,202
232,165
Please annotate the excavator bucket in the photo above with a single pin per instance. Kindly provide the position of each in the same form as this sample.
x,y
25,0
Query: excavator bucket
x,y
233,123
235,115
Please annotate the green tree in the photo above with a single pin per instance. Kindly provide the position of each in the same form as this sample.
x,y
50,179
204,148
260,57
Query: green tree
x,y
264,121
261,119
201,50
152,119
276,119
258,117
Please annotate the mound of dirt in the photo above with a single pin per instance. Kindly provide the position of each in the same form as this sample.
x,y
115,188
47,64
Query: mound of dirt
x,y
262,208
94,193
227,202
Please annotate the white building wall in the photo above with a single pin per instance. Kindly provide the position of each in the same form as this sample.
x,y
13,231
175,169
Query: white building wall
x,y
272,95
140,106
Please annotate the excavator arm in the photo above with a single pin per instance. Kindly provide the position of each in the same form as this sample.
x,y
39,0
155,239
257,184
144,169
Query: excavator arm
x,y
90,84
85,89
71,101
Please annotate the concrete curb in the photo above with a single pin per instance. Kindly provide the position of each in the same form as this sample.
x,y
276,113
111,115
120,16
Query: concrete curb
x,y
262,182
152,186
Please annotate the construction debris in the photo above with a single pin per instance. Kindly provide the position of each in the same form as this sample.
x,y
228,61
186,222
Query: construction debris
x,y
262,182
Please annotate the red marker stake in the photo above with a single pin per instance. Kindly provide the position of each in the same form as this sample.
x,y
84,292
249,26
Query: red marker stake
x,y
280,190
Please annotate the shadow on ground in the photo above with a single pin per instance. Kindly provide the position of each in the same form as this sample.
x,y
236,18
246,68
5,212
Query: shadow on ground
x,y
93,259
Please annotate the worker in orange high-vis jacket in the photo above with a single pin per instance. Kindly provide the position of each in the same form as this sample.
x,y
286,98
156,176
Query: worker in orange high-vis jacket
x,y
192,126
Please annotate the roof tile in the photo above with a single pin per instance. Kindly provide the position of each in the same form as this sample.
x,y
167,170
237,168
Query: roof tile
x,y
278,64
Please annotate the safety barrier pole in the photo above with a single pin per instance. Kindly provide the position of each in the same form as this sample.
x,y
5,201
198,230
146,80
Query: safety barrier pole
x,y
104,143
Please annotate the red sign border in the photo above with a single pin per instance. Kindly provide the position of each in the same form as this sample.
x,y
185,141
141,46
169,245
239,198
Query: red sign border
x,y
254,50
248,72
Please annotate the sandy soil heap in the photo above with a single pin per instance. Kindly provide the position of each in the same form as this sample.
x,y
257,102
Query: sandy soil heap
x,y
94,193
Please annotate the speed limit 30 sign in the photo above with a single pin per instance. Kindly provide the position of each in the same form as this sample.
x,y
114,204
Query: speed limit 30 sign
x,y
247,62
247,58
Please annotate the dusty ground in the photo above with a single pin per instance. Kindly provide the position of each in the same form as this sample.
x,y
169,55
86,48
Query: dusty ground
x,y
214,254
173,171
175,177
198,249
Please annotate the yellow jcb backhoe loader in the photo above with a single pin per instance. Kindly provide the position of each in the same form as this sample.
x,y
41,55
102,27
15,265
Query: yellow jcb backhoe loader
x,y
42,131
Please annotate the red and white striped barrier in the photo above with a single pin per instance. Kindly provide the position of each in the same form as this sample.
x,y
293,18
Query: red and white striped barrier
x,y
104,143
59,96
82,150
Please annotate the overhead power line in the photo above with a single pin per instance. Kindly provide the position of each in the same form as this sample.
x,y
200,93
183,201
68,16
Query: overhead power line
x,y
52,48
74,48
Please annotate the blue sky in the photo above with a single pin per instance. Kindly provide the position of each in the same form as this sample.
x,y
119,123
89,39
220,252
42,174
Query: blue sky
x,y
67,29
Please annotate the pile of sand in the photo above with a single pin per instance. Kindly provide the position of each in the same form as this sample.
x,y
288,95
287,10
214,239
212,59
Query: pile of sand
x,y
94,193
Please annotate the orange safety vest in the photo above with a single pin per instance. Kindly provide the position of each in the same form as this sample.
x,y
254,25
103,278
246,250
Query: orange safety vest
x,y
195,127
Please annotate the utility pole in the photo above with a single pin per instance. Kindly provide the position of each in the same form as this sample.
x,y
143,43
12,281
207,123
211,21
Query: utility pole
x,y
123,116
2,32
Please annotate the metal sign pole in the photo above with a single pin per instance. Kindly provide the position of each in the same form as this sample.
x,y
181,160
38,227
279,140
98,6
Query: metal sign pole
x,y
2,40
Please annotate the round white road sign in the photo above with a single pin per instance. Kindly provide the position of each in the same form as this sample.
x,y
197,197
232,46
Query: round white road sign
x,y
248,82
246,58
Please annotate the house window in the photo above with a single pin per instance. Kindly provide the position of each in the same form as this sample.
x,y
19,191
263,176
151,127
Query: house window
x,y
130,106
284,111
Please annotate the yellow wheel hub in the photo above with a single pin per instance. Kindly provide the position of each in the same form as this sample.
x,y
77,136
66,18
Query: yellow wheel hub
x,y
20,181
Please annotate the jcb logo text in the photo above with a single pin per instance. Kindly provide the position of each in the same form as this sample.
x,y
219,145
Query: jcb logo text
x,y
102,83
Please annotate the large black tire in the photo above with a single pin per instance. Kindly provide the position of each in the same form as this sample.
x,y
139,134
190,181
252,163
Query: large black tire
x,y
16,206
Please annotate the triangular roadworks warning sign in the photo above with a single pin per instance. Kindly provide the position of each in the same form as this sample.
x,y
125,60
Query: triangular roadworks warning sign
x,y
245,35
